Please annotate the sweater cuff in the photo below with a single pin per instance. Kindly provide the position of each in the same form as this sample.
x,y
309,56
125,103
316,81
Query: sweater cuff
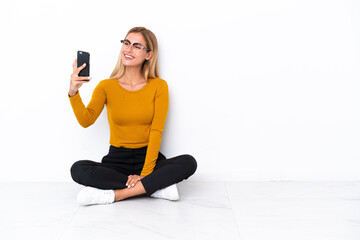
x,y
75,97
145,173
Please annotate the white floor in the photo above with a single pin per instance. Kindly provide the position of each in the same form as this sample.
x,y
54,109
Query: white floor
x,y
206,210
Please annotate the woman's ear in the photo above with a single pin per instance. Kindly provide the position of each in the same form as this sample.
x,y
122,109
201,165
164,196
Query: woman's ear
x,y
149,55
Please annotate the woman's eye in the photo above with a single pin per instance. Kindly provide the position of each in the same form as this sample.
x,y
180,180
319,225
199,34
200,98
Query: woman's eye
x,y
138,47
126,43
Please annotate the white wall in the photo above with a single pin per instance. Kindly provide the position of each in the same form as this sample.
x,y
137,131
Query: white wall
x,y
259,90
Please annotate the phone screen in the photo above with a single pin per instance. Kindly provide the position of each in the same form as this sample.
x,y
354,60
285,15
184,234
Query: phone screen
x,y
83,57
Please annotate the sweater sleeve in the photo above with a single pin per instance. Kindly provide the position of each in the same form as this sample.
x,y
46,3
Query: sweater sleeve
x,y
157,126
86,116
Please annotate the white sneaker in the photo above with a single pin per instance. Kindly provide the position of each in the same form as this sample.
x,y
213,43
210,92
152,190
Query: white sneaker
x,y
169,193
90,196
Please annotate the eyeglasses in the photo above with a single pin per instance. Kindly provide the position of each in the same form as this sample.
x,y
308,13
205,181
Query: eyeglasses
x,y
137,46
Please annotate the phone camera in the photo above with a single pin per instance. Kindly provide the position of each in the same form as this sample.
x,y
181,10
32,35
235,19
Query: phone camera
x,y
80,52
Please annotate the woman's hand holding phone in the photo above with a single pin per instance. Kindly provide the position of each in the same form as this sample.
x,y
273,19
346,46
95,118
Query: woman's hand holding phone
x,y
75,81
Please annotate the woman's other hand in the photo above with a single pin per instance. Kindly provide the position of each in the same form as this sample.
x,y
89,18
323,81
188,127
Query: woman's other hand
x,y
75,80
132,180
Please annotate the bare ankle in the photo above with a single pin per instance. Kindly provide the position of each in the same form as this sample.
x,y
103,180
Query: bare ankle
x,y
121,194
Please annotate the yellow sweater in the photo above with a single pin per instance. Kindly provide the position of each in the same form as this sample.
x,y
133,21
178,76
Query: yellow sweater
x,y
136,118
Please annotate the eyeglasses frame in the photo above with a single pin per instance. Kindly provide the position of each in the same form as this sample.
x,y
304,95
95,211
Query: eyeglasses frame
x,y
137,44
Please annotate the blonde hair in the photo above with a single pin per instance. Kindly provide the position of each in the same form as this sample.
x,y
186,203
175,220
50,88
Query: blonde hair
x,y
150,68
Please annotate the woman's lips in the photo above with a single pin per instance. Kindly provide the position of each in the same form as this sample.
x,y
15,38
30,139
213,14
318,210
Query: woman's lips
x,y
128,57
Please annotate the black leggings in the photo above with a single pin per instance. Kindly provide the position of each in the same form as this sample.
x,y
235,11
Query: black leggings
x,y
119,163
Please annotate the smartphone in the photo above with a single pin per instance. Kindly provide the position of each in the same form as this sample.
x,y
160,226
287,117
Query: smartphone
x,y
83,57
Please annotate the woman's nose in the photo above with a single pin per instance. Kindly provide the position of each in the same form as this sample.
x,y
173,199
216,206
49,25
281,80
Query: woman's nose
x,y
130,48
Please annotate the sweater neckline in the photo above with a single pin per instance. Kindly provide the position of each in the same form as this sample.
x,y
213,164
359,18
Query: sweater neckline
x,y
130,91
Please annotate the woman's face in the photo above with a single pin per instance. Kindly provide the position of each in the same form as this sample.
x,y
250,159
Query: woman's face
x,y
132,53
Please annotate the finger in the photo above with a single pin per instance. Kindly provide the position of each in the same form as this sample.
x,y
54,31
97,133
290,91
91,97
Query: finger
x,y
74,65
82,78
76,80
128,181
134,182
80,68
80,81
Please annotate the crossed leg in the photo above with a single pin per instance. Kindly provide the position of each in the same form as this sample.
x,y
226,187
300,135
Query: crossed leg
x,y
166,173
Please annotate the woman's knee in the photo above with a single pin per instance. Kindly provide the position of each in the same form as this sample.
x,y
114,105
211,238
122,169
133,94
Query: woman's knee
x,y
190,163
77,170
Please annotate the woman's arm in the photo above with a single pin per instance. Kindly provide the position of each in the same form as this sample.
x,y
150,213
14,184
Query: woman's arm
x,y
157,127
86,116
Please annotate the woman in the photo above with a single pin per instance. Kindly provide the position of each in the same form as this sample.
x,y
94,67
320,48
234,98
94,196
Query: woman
x,y
137,102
